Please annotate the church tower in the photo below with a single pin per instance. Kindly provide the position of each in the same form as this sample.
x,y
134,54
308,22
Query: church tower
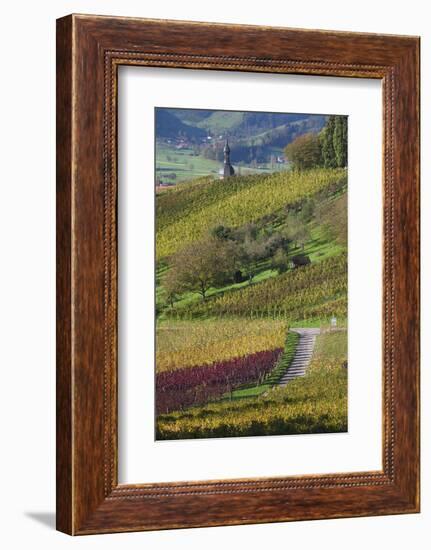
x,y
227,171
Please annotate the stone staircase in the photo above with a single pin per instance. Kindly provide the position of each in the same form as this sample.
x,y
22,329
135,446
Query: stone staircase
x,y
304,352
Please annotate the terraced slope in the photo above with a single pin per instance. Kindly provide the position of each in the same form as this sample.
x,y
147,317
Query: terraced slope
x,y
184,214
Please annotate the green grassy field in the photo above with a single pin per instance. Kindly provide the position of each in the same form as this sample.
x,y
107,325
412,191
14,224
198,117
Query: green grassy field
x,y
183,164
186,165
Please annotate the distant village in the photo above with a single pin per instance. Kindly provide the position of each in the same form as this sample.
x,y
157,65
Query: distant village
x,y
182,142
196,146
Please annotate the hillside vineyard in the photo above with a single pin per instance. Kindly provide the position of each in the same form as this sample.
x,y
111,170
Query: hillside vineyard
x,y
251,274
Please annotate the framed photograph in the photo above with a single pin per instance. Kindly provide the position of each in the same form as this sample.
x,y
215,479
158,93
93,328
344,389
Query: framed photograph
x,y
237,274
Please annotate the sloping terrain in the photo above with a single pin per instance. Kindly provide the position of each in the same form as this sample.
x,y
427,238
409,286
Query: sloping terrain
x,y
185,213
223,356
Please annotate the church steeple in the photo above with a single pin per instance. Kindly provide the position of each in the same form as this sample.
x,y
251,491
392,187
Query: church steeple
x,y
228,170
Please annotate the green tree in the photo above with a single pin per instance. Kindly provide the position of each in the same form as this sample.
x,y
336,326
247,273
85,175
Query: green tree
x,y
297,231
276,241
307,210
249,231
222,232
340,141
304,152
171,287
333,141
327,144
333,219
251,252
280,261
203,264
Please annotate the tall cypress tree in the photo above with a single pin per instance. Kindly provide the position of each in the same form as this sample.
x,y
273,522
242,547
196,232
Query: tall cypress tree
x,y
340,141
333,140
327,144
